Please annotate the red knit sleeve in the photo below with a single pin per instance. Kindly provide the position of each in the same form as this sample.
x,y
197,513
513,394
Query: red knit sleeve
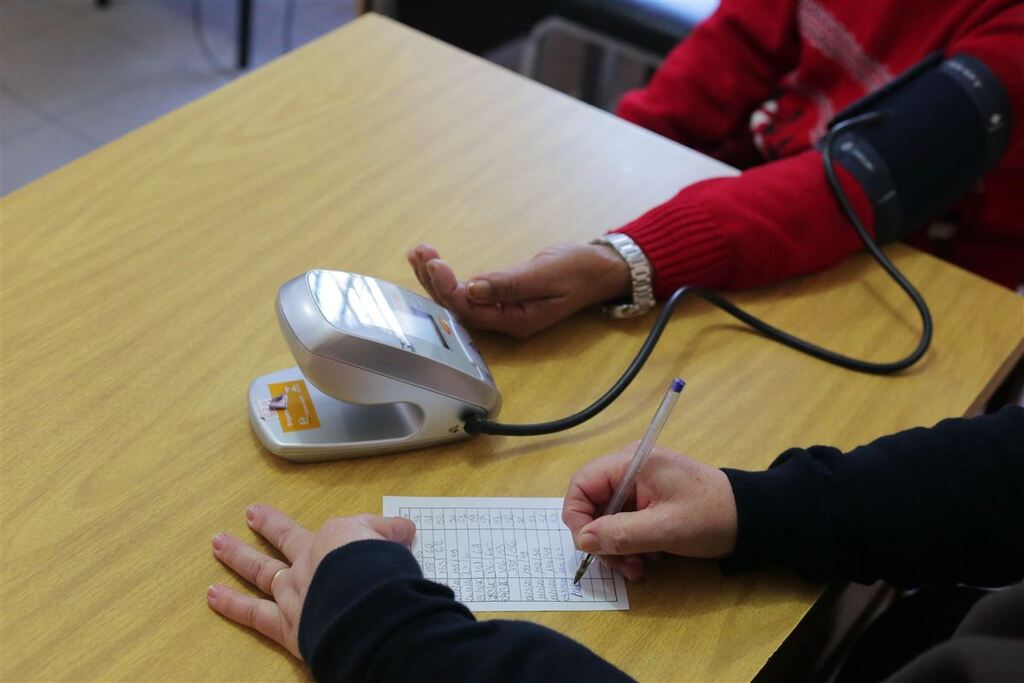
x,y
781,219
767,224
711,82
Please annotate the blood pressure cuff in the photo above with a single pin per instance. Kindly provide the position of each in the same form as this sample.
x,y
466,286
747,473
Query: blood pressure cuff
x,y
943,125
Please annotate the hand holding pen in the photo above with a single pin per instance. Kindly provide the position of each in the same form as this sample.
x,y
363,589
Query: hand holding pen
x,y
682,507
625,485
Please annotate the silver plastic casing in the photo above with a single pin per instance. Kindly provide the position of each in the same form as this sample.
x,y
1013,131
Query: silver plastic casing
x,y
391,370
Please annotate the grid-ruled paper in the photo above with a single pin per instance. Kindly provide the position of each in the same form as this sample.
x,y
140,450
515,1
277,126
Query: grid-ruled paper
x,y
505,554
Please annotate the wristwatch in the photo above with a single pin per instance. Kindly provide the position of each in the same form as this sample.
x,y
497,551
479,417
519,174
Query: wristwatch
x,y
640,276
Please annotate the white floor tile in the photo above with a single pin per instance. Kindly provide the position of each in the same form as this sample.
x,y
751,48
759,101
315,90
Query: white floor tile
x,y
159,33
21,19
69,65
158,94
36,152
15,116
73,76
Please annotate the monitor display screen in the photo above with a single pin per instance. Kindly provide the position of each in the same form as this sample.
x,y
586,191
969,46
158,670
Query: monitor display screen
x,y
354,302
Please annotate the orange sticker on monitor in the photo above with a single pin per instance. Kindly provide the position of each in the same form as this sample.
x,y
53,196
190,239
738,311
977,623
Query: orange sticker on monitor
x,y
300,413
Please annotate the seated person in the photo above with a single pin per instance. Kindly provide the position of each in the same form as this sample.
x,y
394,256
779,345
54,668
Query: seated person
x,y
924,507
755,86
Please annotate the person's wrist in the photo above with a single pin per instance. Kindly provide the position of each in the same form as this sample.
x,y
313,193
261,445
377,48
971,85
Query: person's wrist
x,y
641,291
723,516
609,275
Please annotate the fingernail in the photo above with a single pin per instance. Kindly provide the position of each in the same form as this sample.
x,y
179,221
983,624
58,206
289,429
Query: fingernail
x,y
250,514
481,290
587,542
211,592
218,542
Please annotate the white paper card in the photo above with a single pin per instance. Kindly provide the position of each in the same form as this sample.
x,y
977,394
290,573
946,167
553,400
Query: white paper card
x,y
505,554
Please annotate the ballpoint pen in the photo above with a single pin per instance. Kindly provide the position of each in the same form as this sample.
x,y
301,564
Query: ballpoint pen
x,y
642,451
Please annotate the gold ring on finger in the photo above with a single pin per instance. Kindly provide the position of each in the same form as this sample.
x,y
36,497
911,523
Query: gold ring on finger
x,y
274,578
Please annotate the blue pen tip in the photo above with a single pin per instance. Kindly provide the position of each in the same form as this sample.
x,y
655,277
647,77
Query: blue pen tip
x,y
677,385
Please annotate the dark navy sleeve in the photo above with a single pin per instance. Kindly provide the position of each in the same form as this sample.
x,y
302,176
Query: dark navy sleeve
x,y
370,615
924,506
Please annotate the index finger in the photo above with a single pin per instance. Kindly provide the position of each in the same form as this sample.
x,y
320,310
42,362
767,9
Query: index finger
x,y
285,533
591,488
418,257
452,294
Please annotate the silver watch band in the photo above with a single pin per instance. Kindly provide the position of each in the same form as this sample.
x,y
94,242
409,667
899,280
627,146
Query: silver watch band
x,y
640,275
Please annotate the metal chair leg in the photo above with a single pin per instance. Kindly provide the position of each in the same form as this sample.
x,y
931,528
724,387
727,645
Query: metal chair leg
x,y
244,32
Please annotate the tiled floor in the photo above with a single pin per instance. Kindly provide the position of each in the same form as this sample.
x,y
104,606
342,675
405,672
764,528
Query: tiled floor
x,y
74,77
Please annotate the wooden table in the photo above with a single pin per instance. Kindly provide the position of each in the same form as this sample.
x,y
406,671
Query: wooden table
x,y
138,286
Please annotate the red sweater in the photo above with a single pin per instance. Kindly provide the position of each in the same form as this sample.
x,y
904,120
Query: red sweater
x,y
754,86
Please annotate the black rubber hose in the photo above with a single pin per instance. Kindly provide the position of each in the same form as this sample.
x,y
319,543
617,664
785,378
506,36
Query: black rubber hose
x,y
474,425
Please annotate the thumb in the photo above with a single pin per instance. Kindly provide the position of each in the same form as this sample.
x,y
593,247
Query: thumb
x,y
397,529
624,533
522,283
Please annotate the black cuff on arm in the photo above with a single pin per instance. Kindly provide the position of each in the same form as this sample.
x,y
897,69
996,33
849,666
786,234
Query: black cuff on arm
x,y
779,514
337,634
370,615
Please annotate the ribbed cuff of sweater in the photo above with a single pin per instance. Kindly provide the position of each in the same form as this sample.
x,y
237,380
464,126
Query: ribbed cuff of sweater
x,y
683,244
772,513
339,597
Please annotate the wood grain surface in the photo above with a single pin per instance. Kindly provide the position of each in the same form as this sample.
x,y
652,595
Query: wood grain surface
x,y
138,289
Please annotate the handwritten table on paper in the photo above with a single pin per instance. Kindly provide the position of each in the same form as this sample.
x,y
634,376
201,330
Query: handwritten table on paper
x,y
505,554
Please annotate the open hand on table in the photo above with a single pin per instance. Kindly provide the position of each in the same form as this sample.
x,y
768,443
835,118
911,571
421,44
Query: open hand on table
x,y
526,298
678,506
286,583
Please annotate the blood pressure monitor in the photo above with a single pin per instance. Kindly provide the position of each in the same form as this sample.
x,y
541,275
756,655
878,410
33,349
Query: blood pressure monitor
x,y
379,369
383,369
